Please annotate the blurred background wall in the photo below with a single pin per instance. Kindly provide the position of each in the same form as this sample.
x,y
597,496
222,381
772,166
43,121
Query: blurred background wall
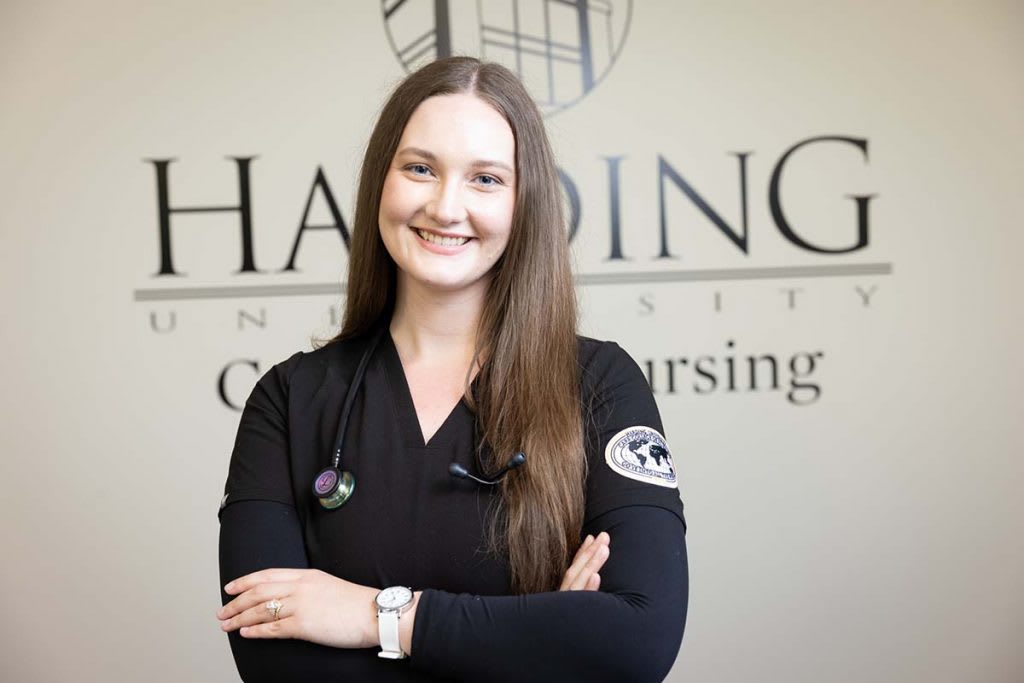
x,y
801,218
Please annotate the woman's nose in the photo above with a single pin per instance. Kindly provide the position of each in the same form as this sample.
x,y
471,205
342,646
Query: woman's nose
x,y
447,206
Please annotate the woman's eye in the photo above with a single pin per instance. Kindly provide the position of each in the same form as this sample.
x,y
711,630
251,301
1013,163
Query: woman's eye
x,y
490,180
416,168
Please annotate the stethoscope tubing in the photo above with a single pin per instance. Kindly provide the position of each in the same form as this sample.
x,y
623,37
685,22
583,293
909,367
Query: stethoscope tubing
x,y
353,389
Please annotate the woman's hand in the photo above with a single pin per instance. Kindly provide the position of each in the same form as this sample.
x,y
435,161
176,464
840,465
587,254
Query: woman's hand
x,y
582,574
315,606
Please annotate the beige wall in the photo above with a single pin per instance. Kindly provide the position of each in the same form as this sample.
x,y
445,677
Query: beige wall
x,y
872,534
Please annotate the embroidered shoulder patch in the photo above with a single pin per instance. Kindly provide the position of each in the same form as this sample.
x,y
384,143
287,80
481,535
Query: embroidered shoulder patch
x,y
641,453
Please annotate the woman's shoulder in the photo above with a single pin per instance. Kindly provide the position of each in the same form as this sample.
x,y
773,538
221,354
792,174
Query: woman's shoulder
x,y
604,361
597,350
311,368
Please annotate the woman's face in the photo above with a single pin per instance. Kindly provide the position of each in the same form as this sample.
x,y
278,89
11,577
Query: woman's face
x,y
448,197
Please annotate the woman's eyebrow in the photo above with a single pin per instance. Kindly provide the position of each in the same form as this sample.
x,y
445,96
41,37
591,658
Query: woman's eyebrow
x,y
478,163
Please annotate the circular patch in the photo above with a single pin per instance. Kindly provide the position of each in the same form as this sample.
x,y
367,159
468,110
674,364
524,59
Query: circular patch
x,y
326,482
641,453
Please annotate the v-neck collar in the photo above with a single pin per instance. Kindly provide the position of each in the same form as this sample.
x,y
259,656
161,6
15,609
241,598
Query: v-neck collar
x,y
405,408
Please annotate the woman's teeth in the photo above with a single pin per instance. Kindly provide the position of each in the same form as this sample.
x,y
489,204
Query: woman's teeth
x,y
443,241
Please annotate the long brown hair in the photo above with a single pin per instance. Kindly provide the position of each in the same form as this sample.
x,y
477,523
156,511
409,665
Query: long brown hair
x,y
528,395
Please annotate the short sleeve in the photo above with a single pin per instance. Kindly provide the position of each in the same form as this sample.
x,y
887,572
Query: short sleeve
x,y
628,456
259,468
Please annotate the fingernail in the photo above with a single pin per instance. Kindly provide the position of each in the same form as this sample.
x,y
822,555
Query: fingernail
x,y
227,588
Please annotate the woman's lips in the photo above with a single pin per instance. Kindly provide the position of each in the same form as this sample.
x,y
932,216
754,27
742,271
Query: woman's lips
x,y
438,248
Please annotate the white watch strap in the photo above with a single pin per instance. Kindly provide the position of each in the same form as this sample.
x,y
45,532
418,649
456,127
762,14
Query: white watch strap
x,y
387,625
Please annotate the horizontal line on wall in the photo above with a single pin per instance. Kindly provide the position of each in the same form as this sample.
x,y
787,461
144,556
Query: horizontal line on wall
x,y
719,274
585,279
237,291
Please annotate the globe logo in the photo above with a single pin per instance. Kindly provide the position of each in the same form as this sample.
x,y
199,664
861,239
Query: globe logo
x,y
641,453
561,49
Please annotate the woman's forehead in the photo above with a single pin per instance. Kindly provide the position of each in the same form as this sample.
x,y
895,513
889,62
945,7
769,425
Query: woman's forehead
x,y
459,128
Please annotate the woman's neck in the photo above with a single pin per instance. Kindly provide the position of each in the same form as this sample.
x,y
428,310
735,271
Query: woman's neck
x,y
436,324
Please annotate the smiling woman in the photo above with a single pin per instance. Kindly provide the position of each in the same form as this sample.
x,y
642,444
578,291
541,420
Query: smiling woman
x,y
431,538
446,212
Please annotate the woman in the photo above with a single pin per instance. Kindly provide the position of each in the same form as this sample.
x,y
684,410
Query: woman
x,y
460,294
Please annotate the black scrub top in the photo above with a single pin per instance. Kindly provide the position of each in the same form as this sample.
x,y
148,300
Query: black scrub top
x,y
409,521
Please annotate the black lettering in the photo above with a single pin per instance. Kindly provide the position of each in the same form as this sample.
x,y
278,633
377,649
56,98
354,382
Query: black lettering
x,y
164,211
171,325
698,367
245,316
665,170
803,373
615,208
671,368
791,291
729,362
752,365
775,203
222,382
646,304
866,296
339,223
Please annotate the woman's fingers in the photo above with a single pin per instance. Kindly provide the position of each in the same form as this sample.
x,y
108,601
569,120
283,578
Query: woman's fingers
x,y
577,563
597,559
244,583
256,596
258,614
283,628
588,560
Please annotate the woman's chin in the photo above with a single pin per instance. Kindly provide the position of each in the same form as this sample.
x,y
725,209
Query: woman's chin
x,y
448,285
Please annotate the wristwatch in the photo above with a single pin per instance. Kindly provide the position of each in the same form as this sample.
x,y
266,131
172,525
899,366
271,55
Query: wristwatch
x,y
391,603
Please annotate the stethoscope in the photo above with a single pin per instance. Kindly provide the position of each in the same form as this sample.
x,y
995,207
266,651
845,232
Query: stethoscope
x,y
333,487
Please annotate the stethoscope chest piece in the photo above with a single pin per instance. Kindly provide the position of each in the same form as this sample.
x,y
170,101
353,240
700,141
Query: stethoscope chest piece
x,y
333,487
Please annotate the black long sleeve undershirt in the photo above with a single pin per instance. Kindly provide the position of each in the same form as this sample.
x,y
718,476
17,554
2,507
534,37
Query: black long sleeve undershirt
x,y
629,630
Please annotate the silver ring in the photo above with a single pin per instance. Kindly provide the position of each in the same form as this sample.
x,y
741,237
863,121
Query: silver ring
x,y
274,607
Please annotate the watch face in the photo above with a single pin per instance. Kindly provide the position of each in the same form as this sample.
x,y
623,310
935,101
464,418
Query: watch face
x,y
394,597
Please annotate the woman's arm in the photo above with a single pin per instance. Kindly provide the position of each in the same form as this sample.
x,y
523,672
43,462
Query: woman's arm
x,y
629,631
255,535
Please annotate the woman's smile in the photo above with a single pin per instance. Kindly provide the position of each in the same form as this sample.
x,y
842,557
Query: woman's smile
x,y
442,242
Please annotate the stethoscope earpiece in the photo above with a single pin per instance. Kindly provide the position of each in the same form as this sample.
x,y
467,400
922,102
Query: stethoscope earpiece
x,y
457,470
